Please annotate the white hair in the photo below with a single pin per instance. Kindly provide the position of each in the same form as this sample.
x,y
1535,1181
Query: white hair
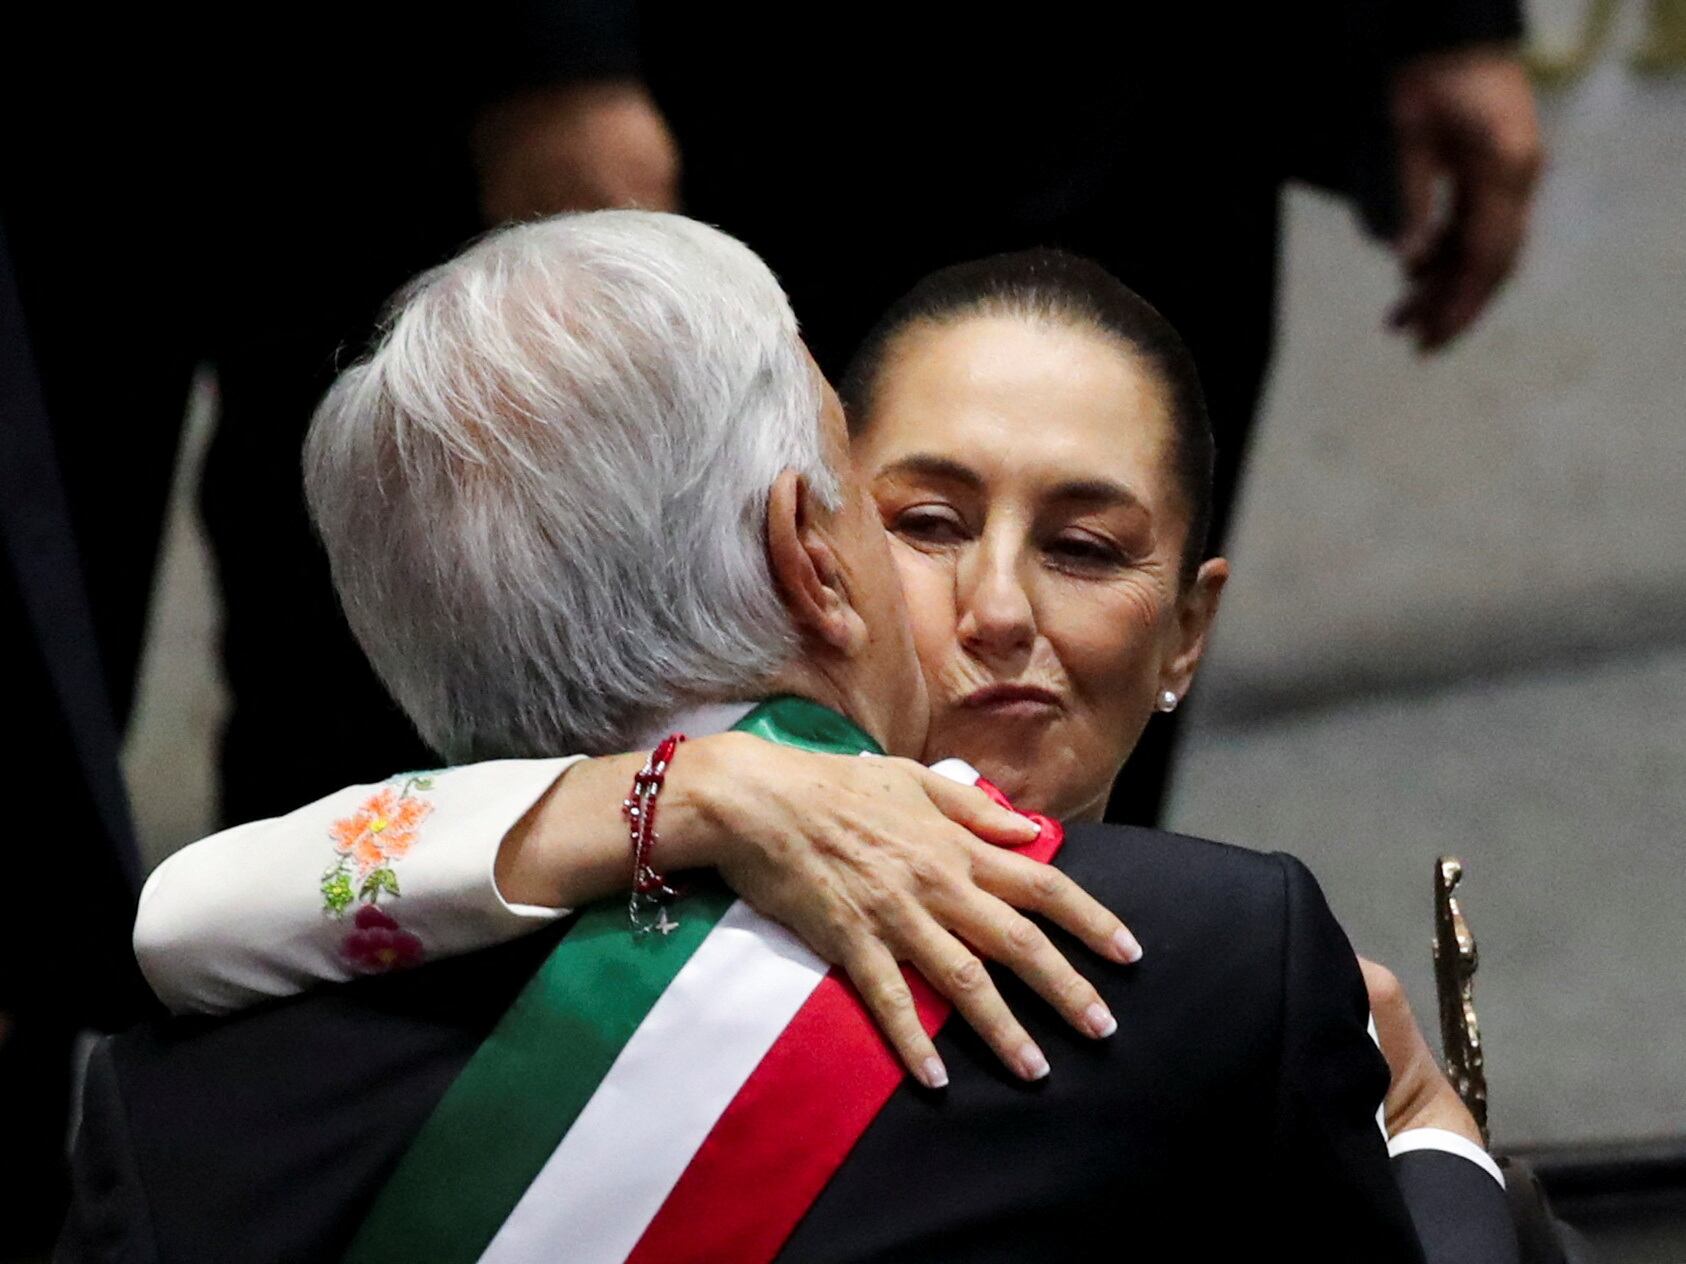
x,y
543,494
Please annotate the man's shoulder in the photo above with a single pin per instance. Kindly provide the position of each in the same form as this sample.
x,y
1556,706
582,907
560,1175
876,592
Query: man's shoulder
x,y
1203,878
1138,844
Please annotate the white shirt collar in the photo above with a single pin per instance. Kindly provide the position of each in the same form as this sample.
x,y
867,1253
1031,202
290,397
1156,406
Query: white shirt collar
x,y
702,721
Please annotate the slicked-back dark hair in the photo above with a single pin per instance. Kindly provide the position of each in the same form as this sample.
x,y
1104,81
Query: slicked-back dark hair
x,y
1054,286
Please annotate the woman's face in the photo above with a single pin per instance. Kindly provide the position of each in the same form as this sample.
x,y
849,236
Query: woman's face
x,y
1023,472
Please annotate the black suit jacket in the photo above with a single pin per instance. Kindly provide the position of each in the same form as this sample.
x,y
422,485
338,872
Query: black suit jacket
x,y
1234,1110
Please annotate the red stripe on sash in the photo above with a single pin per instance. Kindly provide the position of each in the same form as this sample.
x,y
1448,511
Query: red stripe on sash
x,y
786,1132
791,1125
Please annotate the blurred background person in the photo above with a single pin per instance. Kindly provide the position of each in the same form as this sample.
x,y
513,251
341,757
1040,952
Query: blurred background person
x,y
54,980
162,208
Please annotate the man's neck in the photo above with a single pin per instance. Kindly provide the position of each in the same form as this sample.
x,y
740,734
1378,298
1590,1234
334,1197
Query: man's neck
x,y
781,716
703,720
801,681
805,680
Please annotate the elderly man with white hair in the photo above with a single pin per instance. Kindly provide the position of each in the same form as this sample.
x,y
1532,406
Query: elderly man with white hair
x,y
590,492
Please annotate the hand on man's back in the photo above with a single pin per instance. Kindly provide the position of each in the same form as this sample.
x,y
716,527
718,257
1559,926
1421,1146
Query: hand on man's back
x,y
1419,1095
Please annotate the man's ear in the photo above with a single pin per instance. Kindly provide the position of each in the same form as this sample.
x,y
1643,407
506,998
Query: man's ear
x,y
804,564
1196,609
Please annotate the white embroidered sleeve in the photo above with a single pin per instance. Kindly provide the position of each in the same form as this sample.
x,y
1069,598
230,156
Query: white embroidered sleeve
x,y
369,879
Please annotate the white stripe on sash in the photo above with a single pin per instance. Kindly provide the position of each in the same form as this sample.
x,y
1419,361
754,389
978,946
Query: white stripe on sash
x,y
604,1183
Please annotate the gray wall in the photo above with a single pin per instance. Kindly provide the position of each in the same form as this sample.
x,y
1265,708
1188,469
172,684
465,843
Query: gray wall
x,y
1458,621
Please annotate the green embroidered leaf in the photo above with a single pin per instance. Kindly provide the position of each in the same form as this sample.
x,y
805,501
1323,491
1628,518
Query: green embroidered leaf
x,y
337,894
379,880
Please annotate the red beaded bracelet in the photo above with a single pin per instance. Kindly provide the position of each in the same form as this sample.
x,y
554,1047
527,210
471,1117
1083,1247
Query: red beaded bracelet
x,y
651,894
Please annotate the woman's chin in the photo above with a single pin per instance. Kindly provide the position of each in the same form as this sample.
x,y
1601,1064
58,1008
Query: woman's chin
x,y
1021,788
1037,768
1035,789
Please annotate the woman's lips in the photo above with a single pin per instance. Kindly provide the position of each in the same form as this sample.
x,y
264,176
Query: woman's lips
x,y
1013,701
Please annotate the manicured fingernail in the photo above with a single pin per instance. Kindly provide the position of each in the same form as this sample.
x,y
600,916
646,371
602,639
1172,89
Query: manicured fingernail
x,y
1100,1020
1032,1065
1125,945
933,1073
1028,828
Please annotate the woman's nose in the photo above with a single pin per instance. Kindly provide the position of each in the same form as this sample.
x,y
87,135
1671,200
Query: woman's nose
x,y
996,616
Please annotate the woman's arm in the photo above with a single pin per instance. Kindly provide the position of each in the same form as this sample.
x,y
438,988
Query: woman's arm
x,y
369,878
871,861
1420,1099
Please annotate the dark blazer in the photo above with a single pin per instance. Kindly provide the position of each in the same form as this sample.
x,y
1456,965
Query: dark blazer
x,y
1234,1109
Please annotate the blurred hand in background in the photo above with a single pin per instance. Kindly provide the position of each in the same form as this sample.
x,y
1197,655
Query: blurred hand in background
x,y
575,147
1469,161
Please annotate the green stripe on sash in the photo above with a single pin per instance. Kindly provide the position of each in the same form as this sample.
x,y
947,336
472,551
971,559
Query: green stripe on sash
x,y
518,1095
807,725
516,1098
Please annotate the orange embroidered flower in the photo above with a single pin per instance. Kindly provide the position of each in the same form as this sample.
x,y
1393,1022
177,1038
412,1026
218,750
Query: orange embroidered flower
x,y
381,829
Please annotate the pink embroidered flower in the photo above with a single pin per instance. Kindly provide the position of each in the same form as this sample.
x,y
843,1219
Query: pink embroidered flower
x,y
381,829
380,944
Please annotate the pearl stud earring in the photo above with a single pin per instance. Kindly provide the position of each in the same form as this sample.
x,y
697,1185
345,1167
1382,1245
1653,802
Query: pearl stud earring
x,y
1168,700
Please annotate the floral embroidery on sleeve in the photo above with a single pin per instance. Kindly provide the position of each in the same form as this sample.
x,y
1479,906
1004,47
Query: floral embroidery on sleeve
x,y
369,844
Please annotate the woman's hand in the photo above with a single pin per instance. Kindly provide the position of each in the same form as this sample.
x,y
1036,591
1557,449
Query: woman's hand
x,y
875,861
1419,1094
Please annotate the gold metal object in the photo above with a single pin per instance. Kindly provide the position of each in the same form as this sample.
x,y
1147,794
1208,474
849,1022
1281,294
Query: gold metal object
x,y
1455,963
1661,46
1664,46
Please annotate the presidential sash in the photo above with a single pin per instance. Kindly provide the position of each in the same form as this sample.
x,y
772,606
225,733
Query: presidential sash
x,y
655,1098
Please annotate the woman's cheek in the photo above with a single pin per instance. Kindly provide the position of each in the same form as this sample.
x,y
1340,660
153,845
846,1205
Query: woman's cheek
x,y
1108,646
928,586
1133,603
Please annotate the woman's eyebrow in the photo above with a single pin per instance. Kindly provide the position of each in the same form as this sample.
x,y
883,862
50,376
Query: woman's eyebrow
x,y
1096,491
926,465
1100,492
